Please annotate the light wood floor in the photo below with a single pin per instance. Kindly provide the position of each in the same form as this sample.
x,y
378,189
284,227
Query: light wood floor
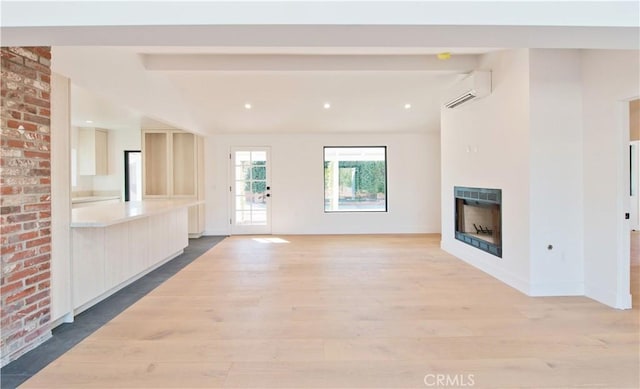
x,y
347,312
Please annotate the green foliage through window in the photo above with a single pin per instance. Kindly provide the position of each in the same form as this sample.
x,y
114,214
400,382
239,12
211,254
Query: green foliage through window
x,y
255,177
355,179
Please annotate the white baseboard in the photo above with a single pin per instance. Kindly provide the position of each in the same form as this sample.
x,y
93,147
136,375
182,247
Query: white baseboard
x,y
215,233
550,289
608,297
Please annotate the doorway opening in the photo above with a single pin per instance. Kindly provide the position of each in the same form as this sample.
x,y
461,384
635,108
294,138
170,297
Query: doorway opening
x,y
250,190
132,175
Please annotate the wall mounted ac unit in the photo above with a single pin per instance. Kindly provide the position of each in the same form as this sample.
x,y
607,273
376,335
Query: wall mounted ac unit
x,y
474,86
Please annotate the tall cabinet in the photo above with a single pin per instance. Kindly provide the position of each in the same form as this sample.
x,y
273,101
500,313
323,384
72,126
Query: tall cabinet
x,y
93,152
173,167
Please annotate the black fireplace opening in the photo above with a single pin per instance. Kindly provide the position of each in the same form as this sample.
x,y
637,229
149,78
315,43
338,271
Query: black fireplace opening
x,y
478,218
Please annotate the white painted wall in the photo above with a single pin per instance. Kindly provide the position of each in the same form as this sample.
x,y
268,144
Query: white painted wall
x,y
566,113
60,199
413,163
486,144
556,199
610,79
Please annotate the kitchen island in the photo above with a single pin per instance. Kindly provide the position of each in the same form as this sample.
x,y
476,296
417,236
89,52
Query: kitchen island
x,y
115,244
90,201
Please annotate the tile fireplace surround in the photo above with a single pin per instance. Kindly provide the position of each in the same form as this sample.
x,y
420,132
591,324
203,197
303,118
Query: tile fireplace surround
x,y
478,218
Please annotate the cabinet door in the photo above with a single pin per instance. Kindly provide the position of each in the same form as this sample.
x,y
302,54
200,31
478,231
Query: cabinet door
x,y
88,264
155,148
101,153
196,221
86,152
117,262
184,164
92,152
139,245
161,234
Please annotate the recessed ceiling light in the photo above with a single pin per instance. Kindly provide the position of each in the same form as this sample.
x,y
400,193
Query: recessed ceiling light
x,y
327,105
247,106
407,106
88,121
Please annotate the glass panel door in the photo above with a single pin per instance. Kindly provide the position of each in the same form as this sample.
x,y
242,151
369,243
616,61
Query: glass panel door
x,y
250,191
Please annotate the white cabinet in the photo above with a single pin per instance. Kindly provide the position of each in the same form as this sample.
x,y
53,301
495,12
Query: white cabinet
x,y
93,152
88,264
118,265
92,203
106,259
196,221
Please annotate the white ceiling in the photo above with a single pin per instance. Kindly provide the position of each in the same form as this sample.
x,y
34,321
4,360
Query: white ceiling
x,y
287,92
293,101
89,109
195,67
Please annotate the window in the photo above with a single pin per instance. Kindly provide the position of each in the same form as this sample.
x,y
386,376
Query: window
x,y
355,179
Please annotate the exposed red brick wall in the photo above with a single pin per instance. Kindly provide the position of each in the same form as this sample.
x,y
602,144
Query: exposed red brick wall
x,y
25,205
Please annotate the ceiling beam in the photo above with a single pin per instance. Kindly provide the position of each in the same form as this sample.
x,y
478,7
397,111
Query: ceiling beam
x,y
288,62
477,13
327,36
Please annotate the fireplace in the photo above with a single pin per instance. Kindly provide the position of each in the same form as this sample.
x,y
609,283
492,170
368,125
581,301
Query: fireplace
x,y
478,218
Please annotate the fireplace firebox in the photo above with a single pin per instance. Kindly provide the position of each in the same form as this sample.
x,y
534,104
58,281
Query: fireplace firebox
x,y
478,218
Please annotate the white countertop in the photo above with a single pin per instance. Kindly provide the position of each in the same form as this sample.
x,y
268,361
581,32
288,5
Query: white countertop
x,y
89,199
110,214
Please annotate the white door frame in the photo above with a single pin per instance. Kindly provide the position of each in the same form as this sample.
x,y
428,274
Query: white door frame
x,y
635,184
623,260
240,229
